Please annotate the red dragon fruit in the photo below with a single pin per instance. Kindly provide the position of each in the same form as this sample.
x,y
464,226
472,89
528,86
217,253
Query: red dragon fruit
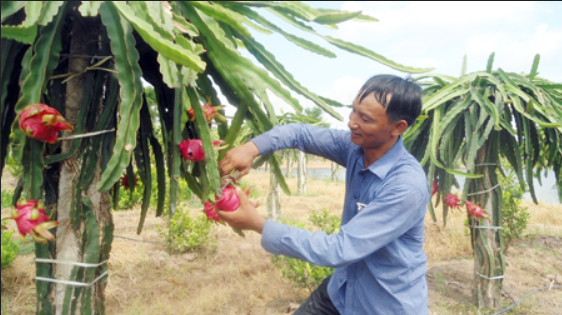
x,y
229,200
31,219
435,187
210,212
125,181
475,210
192,150
42,122
452,201
209,111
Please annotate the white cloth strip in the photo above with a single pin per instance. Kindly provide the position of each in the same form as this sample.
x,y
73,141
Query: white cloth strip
x,y
73,263
486,227
484,191
493,278
72,283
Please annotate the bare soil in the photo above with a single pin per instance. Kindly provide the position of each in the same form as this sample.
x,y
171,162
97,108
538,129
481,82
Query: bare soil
x,y
237,277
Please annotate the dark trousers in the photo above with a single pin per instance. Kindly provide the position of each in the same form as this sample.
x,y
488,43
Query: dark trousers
x,y
318,303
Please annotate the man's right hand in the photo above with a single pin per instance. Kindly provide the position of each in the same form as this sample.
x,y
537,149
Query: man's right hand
x,y
239,158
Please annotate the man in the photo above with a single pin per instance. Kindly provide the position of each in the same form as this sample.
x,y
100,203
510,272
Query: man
x,y
378,252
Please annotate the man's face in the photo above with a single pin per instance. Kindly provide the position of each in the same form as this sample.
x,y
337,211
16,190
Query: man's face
x,y
370,126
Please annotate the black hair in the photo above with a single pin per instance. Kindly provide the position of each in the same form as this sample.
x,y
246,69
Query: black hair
x,y
405,101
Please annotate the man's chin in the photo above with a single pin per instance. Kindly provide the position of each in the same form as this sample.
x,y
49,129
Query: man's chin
x,y
354,138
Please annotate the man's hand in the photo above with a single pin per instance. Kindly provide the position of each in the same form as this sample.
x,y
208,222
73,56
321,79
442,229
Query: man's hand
x,y
239,158
246,217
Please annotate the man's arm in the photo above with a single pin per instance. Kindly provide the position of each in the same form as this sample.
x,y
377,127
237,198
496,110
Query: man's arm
x,y
381,222
328,143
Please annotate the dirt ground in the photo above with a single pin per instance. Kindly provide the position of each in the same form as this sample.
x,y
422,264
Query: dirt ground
x,y
238,277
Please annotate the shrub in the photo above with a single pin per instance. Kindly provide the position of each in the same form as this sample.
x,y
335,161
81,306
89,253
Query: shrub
x,y
303,274
185,233
515,216
9,249
7,198
128,199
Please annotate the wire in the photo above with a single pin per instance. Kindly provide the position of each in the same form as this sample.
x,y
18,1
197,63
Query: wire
x,y
526,296
135,240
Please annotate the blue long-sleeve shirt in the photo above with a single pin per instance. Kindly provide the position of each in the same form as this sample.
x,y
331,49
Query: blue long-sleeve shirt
x,y
378,253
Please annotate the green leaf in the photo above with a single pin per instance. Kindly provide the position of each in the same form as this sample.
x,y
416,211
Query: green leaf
x,y
550,86
120,32
11,7
27,31
298,9
274,163
432,102
168,49
356,49
530,107
205,134
169,71
22,34
142,157
182,26
222,14
490,62
50,9
535,67
268,60
360,17
334,18
234,128
485,103
90,8
517,105
141,10
308,45
33,164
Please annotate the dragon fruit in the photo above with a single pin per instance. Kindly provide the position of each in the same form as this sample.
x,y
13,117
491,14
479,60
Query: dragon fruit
x,y
452,201
475,210
209,111
42,122
435,187
31,219
192,150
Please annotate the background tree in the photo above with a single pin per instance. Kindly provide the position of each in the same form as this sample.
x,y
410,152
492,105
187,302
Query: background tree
x,y
86,59
472,121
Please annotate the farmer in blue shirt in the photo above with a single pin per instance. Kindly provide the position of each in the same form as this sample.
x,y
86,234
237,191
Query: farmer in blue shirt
x,y
378,253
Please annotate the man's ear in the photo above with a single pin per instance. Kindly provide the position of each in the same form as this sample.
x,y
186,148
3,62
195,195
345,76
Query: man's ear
x,y
399,127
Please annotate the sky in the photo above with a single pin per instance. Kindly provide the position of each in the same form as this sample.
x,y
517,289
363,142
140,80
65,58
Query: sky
x,y
419,34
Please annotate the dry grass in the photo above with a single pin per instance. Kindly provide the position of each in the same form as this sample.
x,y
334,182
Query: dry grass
x,y
238,277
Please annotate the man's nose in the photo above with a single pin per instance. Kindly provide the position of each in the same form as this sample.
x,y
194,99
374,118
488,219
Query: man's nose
x,y
352,124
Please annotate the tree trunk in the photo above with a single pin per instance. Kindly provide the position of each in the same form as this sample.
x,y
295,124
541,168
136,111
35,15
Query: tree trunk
x,y
274,199
335,172
289,172
301,190
94,227
489,263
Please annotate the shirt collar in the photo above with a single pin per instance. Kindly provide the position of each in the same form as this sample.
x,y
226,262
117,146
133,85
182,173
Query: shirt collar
x,y
383,165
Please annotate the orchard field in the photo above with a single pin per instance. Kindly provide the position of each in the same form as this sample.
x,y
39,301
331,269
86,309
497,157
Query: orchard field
x,y
238,277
